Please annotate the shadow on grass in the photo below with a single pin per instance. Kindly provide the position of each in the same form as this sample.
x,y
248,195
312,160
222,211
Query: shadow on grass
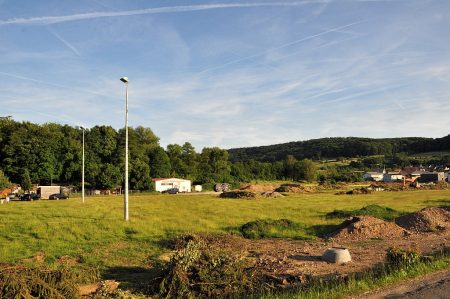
x,y
134,279
323,230
443,202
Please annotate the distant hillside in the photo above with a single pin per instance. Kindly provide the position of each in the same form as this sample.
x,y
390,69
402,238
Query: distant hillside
x,y
340,147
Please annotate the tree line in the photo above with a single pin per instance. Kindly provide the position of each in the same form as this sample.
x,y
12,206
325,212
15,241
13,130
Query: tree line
x,y
52,154
331,148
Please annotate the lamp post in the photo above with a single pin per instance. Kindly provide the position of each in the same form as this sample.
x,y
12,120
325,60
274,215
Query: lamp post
x,y
125,211
82,170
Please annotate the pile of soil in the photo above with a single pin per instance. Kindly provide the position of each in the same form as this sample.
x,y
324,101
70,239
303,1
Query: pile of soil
x,y
356,191
296,188
367,227
259,188
426,220
272,194
238,194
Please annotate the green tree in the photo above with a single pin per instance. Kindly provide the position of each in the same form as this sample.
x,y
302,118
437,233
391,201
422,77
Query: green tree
x,y
305,170
214,165
288,164
110,176
25,183
159,163
4,181
178,166
140,175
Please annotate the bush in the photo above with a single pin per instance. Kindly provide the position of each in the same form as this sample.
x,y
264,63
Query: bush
x,y
398,258
23,282
200,270
272,228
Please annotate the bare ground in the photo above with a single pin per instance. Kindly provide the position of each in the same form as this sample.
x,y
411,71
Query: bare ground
x,y
290,259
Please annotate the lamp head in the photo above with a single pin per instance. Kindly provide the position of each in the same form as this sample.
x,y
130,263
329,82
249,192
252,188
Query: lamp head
x,y
124,79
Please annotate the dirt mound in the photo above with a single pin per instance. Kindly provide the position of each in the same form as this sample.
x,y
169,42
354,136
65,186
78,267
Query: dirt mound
x,y
367,227
426,220
259,187
273,194
296,188
238,194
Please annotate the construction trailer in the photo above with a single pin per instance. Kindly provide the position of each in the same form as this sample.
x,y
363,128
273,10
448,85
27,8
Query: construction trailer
x,y
46,191
163,184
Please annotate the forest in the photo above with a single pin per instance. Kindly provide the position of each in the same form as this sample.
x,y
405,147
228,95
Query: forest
x,y
52,154
330,148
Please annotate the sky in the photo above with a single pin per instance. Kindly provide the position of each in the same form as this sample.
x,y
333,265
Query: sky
x,y
230,73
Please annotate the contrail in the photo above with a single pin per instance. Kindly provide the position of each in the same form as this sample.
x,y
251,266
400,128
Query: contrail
x,y
282,46
66,43
51,84
355,95
46,20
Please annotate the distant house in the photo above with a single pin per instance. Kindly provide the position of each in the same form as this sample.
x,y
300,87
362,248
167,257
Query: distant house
x,y
409,170
393,177
163,184
417,174
431,177
373,176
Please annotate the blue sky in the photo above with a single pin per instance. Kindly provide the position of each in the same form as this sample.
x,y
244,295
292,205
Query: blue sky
x,y
230,73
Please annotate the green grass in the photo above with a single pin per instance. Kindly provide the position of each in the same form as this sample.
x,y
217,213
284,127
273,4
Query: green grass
x,y
95,233
270,228
370,210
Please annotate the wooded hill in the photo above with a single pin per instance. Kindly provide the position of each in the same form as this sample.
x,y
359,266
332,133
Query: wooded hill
x,y
330,148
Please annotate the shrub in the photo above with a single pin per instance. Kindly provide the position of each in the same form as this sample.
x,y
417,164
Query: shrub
x,y
23,282
398,258
200,270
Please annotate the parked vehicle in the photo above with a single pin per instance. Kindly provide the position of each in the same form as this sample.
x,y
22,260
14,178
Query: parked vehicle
x,y
172,191
29,197
58,196
12,195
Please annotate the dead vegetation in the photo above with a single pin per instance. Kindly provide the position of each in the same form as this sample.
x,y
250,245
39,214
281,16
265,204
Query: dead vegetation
x,y
18,281
202,268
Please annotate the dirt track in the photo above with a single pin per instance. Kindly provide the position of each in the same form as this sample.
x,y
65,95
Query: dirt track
x,y
435,285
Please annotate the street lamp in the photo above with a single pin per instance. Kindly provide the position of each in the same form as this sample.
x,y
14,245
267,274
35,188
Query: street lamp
x,y
82,171
125,211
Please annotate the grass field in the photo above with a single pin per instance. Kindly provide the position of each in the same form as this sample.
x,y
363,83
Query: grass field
x,y
96,235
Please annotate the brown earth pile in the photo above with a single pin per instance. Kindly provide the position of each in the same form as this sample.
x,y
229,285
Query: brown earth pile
x,y
296,188
428,219
273,194
367,227
259,187
238,194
